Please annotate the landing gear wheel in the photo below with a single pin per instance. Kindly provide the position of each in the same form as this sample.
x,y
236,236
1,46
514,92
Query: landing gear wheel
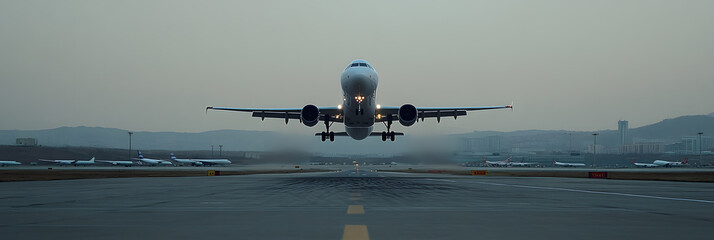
x,y
324,136
384,136
391,136
332,136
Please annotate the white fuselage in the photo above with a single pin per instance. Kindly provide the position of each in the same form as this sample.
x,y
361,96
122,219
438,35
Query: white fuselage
x,y
155,162
662,163
359,90
119,163
5,163
565,164
201,162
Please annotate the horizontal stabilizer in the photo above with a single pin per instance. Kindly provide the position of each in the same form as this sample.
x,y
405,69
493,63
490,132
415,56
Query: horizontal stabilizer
x,y
373,134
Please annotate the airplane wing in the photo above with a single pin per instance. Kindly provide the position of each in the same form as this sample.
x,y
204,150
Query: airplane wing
x,y
284,113
433,112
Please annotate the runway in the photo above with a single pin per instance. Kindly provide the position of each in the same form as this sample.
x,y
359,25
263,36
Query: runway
x,y
355,204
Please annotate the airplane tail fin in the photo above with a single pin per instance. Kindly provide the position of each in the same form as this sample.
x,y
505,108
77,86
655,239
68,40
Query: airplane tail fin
x,y
140,156
508,159
484,159
685,161
173,157
91,160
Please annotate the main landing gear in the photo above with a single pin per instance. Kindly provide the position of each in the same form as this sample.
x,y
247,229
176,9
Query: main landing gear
x,y
328,135
388,134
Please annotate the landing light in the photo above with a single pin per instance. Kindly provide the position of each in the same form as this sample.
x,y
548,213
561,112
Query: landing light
x,y
379,106
339,106
379,116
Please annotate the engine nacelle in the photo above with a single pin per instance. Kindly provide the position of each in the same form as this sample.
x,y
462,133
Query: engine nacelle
x,y
310,115
407,115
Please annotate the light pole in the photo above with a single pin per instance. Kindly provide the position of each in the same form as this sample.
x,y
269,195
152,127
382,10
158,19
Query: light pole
x,y
594,147
130,133
700,146
220,150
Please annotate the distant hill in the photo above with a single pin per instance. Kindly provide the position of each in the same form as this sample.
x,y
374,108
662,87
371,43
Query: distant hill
x,y
676,128
668,131
232,140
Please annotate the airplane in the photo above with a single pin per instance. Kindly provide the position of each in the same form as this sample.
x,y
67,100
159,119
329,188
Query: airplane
x,y
522,164
503,163
80,162
647,165
359,110
70,162
119,163
153,162
662,163
6,163
200,162
566,164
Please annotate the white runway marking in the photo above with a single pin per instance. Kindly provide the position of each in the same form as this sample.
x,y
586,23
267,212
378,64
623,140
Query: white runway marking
x,y
599,192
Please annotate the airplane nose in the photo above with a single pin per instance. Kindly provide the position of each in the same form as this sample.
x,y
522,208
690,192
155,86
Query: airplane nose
x,y
358,82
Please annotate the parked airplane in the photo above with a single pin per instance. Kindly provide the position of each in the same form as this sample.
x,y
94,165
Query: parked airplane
x,y
6,163
119,163
566,164
503,163
662,163
71,162
153,162
647,165
522,164
200,162
59,162
359,110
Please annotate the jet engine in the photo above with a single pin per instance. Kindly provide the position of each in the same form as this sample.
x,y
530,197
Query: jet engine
x,y
310,115
407,115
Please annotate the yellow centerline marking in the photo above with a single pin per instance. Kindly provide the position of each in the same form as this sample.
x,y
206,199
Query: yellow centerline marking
x,y
355,232
355,209
355,198
356,194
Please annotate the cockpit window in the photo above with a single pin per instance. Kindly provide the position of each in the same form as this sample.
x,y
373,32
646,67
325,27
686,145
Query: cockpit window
x,y
359,65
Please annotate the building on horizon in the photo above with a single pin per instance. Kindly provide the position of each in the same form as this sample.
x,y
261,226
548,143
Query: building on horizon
x,y
599,149
490,144
623,135
27,142
691,144
643,147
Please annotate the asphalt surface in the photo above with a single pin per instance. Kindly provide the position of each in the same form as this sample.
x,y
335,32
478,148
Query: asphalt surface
x,y
355,205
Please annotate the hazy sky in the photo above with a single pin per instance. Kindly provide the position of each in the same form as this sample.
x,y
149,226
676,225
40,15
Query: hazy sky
x,y
155,65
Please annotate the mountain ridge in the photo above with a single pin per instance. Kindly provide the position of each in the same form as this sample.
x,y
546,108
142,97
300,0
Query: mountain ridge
x,y
666,131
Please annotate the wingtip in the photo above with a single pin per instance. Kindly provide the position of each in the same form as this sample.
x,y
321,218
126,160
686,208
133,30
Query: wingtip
x,y
208,107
